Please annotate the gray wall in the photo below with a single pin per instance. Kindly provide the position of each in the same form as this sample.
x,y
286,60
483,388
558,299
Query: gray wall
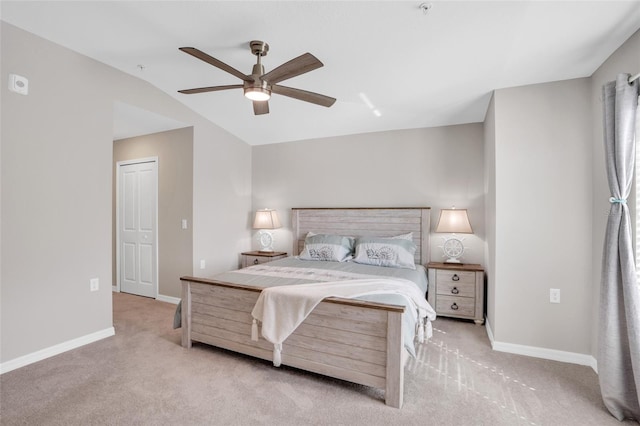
x,y
174,150
56,203
542,215
490,209
624,60
544,165
435,167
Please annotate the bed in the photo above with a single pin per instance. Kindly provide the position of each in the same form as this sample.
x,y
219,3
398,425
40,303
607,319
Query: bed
x,y
357,340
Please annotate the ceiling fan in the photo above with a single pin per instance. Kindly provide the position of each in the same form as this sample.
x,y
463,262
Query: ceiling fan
x,y
259,86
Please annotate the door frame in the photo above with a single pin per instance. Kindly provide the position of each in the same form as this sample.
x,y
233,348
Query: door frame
x,y
155,242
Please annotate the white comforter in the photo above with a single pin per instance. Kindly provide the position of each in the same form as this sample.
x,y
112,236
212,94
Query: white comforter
x,y
282,309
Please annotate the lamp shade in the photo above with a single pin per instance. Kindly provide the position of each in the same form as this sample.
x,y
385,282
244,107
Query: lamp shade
x,y
266,219
454,221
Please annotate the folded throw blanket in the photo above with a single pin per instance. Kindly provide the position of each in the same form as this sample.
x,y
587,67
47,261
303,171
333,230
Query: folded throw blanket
x,y
282,309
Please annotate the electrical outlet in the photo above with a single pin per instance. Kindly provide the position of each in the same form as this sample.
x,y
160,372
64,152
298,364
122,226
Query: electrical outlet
x,y
554,295
202,264
18,84
94,284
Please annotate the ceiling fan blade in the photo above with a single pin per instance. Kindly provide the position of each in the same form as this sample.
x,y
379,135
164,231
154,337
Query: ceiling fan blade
x,y
215,62
300,65
210,89
303,95
260,107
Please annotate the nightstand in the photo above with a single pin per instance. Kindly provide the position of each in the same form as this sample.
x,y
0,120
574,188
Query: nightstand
x,y
250,258
457,290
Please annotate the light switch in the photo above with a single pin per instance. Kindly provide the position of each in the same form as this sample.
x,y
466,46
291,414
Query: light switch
x,y
184,223
94,284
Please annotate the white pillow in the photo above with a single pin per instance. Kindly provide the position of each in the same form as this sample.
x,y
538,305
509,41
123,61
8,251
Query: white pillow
x,y
326,247
394,252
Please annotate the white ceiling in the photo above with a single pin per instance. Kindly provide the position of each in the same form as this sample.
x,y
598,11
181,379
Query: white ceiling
x,y
130,121
416,69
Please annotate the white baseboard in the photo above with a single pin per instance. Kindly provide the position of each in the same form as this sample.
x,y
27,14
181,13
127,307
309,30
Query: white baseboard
x,y
168,299
161,297
487,327
544,353
45,353
115,289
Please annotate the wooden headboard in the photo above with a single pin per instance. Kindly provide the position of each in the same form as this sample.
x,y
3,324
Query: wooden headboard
x,y
358,222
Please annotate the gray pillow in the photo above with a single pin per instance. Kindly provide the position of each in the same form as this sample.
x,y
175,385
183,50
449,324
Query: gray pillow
x,y
394,252
326,247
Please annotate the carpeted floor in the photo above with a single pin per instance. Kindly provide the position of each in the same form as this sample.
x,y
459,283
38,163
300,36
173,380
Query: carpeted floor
x,y
142,376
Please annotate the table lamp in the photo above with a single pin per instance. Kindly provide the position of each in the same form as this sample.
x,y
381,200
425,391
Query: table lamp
x,y
266,220
454,221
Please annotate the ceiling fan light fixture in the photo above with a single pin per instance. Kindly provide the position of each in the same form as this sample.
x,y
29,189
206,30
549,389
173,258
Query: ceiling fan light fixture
x,y
258,86
257,93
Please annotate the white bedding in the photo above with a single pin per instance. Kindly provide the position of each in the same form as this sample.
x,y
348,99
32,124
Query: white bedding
x,y
281,309
293,271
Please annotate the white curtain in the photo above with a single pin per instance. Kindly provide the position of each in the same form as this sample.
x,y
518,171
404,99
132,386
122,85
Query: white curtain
x,y
619,331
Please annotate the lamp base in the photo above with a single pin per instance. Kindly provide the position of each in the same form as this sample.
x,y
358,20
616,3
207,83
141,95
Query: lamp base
x,y
266,241
453,249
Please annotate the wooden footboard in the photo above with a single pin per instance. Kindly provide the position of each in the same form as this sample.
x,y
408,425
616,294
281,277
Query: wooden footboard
x,y
352,340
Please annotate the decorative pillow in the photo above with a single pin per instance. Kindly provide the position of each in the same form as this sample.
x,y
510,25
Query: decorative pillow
x,y
394,252
333,248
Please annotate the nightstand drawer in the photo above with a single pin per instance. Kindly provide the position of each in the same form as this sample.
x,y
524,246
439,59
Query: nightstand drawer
x,y
256,260
456,283
457,277
451,305
251,258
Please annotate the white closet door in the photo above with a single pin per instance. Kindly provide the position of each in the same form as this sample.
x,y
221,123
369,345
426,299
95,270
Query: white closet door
x,y
138,228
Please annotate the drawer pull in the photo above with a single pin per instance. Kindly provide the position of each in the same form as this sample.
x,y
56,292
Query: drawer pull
x,y
455,277
454,307
455,290
255,261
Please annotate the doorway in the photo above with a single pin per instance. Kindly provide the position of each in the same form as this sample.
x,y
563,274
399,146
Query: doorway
x,y
141,135
137,226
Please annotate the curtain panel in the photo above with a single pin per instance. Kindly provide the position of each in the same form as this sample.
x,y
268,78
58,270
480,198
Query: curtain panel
x,y
619,329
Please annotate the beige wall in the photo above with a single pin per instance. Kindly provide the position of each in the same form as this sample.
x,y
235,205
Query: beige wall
x,y
624,60
435,167
56,205
174,150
